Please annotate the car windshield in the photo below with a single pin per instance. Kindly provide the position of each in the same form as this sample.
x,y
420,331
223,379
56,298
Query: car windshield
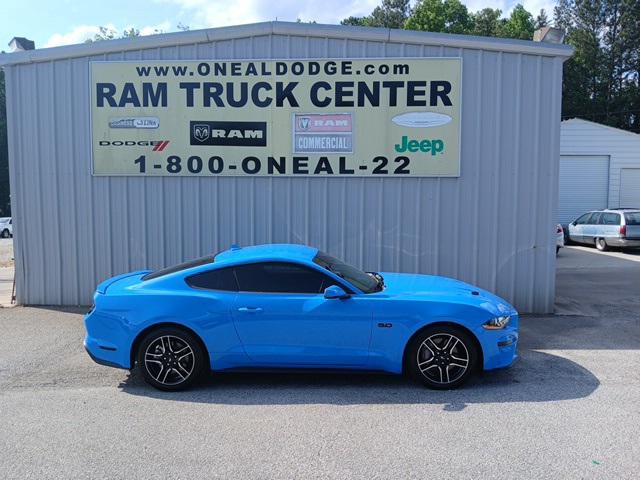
x,y
364,281
632,218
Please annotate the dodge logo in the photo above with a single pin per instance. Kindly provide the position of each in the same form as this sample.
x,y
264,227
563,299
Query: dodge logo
x,y
201,132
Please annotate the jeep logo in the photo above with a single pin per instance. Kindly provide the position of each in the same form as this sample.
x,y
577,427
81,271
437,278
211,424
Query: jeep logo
x,y
433,146
228,134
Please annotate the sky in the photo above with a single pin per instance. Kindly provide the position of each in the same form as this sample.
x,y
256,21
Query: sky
x,y
52,23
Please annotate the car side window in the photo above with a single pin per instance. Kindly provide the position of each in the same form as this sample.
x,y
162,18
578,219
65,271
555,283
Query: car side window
x,y
610,219
593,219
219,279
583,219
281,277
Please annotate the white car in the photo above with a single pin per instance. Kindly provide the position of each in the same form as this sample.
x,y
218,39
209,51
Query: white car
x,y
6,228
559,238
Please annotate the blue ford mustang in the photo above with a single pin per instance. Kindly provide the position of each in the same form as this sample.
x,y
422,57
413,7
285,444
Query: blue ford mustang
x,y
292,306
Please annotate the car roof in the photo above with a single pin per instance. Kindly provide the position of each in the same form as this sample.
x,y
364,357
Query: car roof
x,y
271,252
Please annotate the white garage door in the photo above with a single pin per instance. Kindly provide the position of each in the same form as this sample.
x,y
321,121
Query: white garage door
x,y
630,187
584,185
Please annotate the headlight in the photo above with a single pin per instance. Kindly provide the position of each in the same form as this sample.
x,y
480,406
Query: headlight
x,y
497,323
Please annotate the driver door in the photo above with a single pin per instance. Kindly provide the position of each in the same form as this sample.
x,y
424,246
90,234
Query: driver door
x,y
283,319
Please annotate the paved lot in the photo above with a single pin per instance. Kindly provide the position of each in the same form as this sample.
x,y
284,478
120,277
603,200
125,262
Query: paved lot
x,y
569,409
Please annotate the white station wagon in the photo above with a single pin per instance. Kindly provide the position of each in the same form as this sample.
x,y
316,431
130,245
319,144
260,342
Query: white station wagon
x,y
607,228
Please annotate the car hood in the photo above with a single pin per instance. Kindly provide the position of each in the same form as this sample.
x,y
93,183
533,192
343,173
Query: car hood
x,y
432,287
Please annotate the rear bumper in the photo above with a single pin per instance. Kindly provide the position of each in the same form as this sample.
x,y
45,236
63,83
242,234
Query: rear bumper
x,y
107,342
101,361
104,354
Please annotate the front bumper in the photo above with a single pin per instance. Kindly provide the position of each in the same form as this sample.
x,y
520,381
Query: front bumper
x,y
500,347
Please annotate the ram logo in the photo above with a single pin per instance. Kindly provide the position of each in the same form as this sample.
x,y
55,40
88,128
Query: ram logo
x,y
304,123
201,132
229,134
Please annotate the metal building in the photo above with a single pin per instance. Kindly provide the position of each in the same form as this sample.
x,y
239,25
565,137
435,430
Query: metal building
x,y
599,168
493,225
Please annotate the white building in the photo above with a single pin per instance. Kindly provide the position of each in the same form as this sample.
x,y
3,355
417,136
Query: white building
x,y
489,222
599,168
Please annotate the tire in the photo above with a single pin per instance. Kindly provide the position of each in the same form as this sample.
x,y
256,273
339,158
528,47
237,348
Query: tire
x,y
170,359
557,250
601,244
5,233
440,346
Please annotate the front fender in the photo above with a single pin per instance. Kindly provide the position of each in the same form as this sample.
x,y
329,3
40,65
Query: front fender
x,y
394,327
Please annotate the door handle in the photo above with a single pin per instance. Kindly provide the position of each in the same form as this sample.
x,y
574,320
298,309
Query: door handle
x,y
249,309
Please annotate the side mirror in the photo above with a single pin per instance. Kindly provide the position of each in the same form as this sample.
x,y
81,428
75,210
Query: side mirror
x,y
334,291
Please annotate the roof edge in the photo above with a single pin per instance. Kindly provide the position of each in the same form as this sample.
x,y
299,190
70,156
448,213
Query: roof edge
x,y
285,28
600,125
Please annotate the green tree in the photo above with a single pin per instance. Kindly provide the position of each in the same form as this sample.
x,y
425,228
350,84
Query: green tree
x,y
542,20
108,33
389,14
486,22
356,21
601,79
448,16
520,24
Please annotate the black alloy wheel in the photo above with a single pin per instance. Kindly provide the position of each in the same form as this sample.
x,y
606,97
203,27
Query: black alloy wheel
x,y
171,359
441,357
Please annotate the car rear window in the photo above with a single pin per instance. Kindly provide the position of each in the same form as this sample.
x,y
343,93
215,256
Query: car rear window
x,y
181,266
220,279
632,218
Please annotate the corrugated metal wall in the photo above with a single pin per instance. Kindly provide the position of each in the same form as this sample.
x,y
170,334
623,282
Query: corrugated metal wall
x,y
493,226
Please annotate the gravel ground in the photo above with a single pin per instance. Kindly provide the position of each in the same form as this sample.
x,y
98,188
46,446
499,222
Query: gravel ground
x,y
568,409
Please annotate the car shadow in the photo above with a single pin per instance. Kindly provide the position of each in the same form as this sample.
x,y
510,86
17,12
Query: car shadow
x,y
536,377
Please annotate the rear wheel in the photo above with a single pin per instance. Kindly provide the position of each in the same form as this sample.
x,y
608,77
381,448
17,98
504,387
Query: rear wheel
x,y
5,233
170,359
601,244
442,357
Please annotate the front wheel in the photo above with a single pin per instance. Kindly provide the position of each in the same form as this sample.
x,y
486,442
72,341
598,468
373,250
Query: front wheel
x,y
441,357
5,233
170,359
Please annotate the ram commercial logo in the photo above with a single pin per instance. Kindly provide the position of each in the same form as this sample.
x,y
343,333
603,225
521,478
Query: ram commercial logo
x,y
323,133
157,145
228,134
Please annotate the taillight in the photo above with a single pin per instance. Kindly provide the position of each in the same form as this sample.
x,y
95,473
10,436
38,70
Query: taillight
x,y
623,231
559,229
